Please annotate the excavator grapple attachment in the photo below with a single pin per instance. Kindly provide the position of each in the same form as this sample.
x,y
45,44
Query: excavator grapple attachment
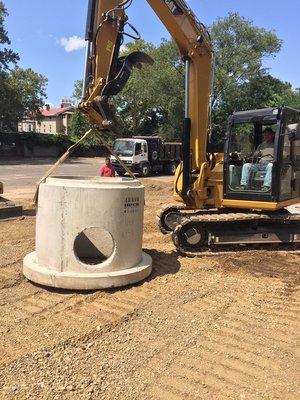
x,y
126,65
114,86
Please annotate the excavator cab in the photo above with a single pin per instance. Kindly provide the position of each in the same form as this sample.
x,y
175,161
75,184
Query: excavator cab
x,y
255,170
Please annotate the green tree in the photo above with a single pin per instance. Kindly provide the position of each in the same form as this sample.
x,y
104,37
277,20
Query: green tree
x,y
78,125
294,100
77,93
152,100
7,56
241,80
23,94
22,91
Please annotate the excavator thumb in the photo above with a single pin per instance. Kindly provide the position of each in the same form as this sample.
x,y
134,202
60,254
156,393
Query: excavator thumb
x,y
115,86
125,67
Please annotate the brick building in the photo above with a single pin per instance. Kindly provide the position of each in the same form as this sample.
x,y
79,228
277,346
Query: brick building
x,y
52,120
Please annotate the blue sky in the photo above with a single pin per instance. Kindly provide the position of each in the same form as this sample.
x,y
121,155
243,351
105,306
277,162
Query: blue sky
x,y
41,30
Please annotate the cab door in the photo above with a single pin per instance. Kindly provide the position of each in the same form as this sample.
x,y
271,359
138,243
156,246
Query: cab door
x,y
289,178
141,153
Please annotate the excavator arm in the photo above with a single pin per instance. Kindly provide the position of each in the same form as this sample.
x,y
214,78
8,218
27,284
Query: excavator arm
x,y
107,73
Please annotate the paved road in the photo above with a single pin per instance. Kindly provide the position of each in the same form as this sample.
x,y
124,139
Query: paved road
x,y
20,176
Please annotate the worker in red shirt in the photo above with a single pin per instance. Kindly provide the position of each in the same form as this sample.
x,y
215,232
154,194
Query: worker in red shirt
x,y
108,170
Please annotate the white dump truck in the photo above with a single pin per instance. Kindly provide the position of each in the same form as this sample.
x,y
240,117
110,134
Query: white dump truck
x,y
146,155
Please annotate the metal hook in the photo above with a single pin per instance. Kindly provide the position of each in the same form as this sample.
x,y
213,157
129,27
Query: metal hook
x,y
137,37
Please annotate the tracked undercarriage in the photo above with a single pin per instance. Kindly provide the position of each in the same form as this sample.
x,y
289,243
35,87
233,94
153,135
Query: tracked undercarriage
x,y
195,232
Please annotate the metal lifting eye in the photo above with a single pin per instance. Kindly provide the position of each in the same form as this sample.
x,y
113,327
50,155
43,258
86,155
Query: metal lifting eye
x,y
137,37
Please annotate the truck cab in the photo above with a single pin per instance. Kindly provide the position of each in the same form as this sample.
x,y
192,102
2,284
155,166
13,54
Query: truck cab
x,y
134,153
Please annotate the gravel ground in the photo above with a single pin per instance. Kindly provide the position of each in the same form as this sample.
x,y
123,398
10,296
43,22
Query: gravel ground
x,y
223,327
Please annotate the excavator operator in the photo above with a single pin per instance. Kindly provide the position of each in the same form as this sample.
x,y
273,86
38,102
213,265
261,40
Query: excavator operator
x,y
264,154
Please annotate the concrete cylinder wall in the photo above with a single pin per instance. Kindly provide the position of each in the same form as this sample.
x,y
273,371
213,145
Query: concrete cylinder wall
x,y
103,207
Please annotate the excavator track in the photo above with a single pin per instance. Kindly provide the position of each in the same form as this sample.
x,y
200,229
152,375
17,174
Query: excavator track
x,y
236,231
205,232
172,214
162,215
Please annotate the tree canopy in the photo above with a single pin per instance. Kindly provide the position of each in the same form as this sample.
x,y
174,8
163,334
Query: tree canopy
x,y
77,92
78,125
295,99
153,99
241,81
22,91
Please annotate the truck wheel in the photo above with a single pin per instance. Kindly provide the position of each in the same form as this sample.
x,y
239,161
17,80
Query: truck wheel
x,y
171,168
145,170
154,155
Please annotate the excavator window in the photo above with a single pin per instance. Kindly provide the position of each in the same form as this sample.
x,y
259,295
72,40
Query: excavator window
x,y
290,168
286,170
251,158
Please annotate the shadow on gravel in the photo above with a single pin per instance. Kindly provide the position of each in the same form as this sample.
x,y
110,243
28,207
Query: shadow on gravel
x,y
63,291
163,264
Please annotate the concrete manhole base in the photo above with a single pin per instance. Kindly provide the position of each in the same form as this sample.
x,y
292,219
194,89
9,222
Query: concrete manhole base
x,y
85,281
89,234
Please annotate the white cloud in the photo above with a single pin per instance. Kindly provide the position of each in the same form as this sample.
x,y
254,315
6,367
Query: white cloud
x,y
72,43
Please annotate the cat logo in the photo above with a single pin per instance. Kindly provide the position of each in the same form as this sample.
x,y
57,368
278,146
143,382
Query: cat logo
x,y
175,9
109,46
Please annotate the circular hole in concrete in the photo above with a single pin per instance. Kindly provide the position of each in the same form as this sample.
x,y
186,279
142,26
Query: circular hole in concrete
x,y
93,246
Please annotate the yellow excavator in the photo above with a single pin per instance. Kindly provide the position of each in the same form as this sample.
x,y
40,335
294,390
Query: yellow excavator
x,y
235,197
